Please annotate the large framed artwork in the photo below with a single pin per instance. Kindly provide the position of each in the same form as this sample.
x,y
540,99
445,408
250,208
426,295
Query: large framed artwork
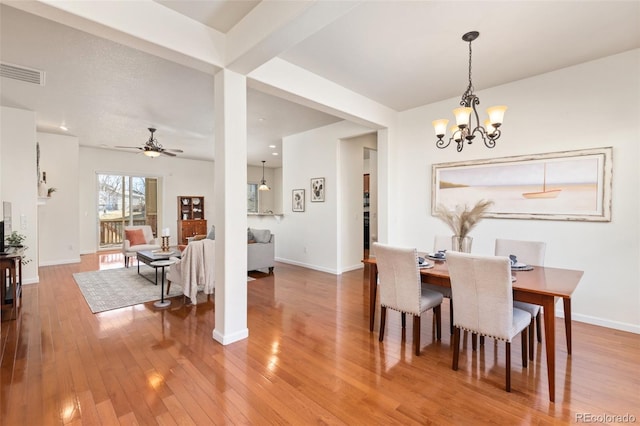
x,y
569,185
317,190
297,200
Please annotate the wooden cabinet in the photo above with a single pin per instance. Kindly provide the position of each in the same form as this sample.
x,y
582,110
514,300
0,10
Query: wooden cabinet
x,y
191,219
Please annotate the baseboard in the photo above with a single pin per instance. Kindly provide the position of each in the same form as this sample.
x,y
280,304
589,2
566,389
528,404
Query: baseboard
x,y
60,262
352,268
35,280
602,322
87,252
230,338
308,266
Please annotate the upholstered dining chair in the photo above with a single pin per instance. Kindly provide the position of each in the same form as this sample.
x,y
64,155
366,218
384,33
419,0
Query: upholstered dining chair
x,y
482,288
530,253
443,242
137,238
401,289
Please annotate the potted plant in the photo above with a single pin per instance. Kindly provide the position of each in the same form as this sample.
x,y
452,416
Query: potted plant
x,y
15,239
51,191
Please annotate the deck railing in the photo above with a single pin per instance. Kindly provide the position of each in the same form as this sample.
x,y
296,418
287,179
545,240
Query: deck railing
x,y
112,231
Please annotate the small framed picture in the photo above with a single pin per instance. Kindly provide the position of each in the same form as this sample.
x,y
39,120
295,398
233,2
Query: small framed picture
x,y
317,190
297,200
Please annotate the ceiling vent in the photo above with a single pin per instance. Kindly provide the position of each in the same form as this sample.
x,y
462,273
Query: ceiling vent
x,y
18,72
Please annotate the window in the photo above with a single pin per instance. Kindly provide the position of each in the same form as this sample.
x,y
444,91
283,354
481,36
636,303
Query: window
x,y
252,198
124,201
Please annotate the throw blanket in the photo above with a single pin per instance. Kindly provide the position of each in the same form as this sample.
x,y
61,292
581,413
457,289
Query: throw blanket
x,y
197,268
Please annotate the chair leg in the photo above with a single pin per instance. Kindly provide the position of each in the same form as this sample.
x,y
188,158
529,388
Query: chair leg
x,y
451,316
126,261
437,312
539,326
531,337
481,340
474,341
403,318
524,346
508,356
383,317
168,286
416,333
456,348
270,270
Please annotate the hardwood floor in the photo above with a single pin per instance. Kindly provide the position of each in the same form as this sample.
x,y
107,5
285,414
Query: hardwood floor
x,y
309,359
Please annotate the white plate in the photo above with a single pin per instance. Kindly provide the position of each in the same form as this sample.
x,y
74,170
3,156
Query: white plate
x,y
425,265
431,256
519,265
195,201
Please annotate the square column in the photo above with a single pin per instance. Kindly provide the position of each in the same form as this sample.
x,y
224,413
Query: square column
x,y
230,207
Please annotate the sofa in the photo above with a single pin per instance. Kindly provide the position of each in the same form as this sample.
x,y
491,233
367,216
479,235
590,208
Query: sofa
x,y
260,249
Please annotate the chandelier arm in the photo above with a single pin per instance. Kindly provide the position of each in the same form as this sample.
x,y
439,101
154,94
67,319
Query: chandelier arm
x,y
441,143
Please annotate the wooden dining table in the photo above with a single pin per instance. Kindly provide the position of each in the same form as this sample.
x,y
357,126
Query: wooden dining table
x,y
541,286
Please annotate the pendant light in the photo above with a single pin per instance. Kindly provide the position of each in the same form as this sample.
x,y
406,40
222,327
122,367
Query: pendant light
x,y
263,183
464,129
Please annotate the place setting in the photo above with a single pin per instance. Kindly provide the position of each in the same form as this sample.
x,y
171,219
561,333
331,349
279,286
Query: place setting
x,y
438,255
519,266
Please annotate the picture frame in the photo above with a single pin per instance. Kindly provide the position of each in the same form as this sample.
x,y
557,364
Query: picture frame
x,y
317,190
297,200
569,185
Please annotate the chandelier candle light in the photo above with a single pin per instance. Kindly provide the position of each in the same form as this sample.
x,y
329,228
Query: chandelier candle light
x,y
462,130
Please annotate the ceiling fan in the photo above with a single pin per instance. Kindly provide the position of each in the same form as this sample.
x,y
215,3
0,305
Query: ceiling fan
x,y
153,148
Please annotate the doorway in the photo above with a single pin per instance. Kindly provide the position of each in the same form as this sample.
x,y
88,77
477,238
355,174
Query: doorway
x,y
124,201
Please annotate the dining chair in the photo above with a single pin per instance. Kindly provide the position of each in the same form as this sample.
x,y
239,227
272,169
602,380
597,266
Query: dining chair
x,y
401,289
482,288
443,242
530,253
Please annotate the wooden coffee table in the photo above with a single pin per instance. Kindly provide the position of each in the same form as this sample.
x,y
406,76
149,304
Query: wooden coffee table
x,y
148,257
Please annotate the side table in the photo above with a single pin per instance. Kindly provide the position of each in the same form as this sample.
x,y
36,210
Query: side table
x,y
162,264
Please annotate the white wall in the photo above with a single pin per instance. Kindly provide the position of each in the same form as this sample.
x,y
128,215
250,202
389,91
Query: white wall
x,y
178,177
59,234
310,238
596,104
19,181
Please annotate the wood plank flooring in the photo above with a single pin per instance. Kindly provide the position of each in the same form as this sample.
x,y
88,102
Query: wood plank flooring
x,y
309,359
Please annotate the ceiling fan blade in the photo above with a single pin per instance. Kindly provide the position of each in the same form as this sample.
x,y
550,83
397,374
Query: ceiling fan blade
x,y
175,150
167,153
127,147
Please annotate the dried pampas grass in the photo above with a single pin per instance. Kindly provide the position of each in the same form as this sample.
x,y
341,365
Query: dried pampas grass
x,y
463,219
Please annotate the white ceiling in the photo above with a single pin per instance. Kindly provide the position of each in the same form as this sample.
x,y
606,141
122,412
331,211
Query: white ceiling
x,y
401,54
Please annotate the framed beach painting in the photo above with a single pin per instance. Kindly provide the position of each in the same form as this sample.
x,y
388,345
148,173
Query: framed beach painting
x,y
297,200
570,185
317,190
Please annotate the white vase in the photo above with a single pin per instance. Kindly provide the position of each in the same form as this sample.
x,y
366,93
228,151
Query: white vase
x,y
42,190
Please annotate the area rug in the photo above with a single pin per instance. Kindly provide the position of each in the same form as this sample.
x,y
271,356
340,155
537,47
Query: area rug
x,y
116,288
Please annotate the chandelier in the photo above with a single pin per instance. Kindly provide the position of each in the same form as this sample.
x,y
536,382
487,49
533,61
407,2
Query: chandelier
x,y
263,183
463,130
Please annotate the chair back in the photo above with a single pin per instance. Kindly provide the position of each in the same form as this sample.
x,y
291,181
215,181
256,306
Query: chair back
x,y
442,242
529,252
482,290
146,231
399,278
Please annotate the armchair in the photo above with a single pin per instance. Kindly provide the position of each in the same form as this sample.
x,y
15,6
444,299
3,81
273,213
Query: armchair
x,y
137,238
195,269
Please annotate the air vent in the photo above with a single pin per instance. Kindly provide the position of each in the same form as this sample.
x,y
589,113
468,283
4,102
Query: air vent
x,y
18,72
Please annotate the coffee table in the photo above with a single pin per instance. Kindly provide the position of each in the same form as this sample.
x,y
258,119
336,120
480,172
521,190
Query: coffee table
x,y
148,257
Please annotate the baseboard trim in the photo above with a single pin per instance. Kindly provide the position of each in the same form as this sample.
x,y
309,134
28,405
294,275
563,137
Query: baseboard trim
x,y
352,268
59,262
230,338
602,322
308,266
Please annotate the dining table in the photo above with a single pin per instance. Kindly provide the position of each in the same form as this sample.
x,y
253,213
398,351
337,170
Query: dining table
x,y
541,286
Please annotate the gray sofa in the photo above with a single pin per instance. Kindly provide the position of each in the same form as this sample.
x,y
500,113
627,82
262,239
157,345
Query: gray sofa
x,y
260,250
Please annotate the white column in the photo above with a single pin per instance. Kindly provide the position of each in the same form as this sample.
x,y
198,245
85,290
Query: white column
x,y
230,207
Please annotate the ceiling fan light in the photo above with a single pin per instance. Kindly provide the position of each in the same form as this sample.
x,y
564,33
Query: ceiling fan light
x,y
152,154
